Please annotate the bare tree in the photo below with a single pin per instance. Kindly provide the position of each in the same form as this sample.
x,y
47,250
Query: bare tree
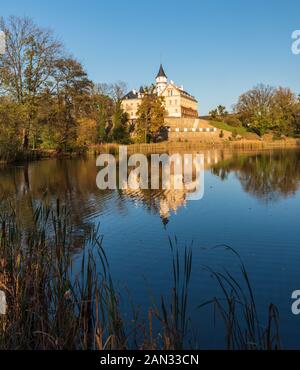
x,y
115,91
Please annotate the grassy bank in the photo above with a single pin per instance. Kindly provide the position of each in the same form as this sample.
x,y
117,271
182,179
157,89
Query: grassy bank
x,y
113,148
166,146
53,305
239,130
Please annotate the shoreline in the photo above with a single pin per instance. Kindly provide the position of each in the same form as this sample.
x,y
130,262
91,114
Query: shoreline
x,y
112,148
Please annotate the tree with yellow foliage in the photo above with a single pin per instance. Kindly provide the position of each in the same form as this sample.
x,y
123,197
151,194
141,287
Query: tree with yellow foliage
x,y
151,114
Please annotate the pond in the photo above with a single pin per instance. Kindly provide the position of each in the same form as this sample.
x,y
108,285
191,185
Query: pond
x,y
251,203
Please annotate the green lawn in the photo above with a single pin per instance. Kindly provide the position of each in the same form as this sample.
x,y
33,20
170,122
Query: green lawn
x,y
224,126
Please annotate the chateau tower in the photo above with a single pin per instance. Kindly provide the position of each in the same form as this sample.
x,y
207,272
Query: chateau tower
x,y
161,80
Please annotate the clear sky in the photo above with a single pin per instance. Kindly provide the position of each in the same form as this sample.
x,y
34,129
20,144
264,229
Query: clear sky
x,y
216,48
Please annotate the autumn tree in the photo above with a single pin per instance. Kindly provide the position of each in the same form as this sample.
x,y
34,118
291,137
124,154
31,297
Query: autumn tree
x,y
265,108
112,121
151,114
285,111
103,109
72,91
86,132
102,121
255,109
47,99
27,66
11,119
120,131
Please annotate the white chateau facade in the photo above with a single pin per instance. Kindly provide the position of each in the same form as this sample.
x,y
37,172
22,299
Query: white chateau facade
x,y
178,102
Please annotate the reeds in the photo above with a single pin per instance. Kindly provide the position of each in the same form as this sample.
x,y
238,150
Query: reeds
x,y
173,317
244,144
60,297
237,309
51,306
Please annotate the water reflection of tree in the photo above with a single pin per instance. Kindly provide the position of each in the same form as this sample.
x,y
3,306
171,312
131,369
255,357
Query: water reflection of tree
x,y
268,176
26,187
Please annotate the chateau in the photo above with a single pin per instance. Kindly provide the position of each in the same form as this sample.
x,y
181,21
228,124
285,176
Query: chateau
x,y
178,102
182,118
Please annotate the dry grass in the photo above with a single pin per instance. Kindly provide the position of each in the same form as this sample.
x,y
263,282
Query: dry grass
x,y
194,146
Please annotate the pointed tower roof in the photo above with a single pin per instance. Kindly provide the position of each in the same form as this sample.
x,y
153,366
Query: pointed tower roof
x,y
161,72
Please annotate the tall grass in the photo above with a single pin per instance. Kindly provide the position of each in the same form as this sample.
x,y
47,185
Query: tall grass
x,y
174,317
237,308
50,306
59,299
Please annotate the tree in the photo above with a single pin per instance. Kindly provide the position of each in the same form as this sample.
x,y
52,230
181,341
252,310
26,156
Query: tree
x,y
265,108
255,109
120,132
103,108
101,123
222,112
112,121
27,66
151,114
297,120
47,99
72,92
86,132
214,114
11,117
219,114
285,111
115,91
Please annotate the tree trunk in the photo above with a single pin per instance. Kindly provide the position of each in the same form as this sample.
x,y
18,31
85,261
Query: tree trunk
x,y
25,139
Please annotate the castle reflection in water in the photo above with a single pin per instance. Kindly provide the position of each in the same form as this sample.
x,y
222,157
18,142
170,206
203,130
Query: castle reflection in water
x,y
167,201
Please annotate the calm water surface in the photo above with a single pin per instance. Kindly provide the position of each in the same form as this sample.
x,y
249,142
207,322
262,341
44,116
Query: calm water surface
x,y
251,203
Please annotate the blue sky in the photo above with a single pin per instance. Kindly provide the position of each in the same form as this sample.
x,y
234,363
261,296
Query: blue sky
x,y
216,48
